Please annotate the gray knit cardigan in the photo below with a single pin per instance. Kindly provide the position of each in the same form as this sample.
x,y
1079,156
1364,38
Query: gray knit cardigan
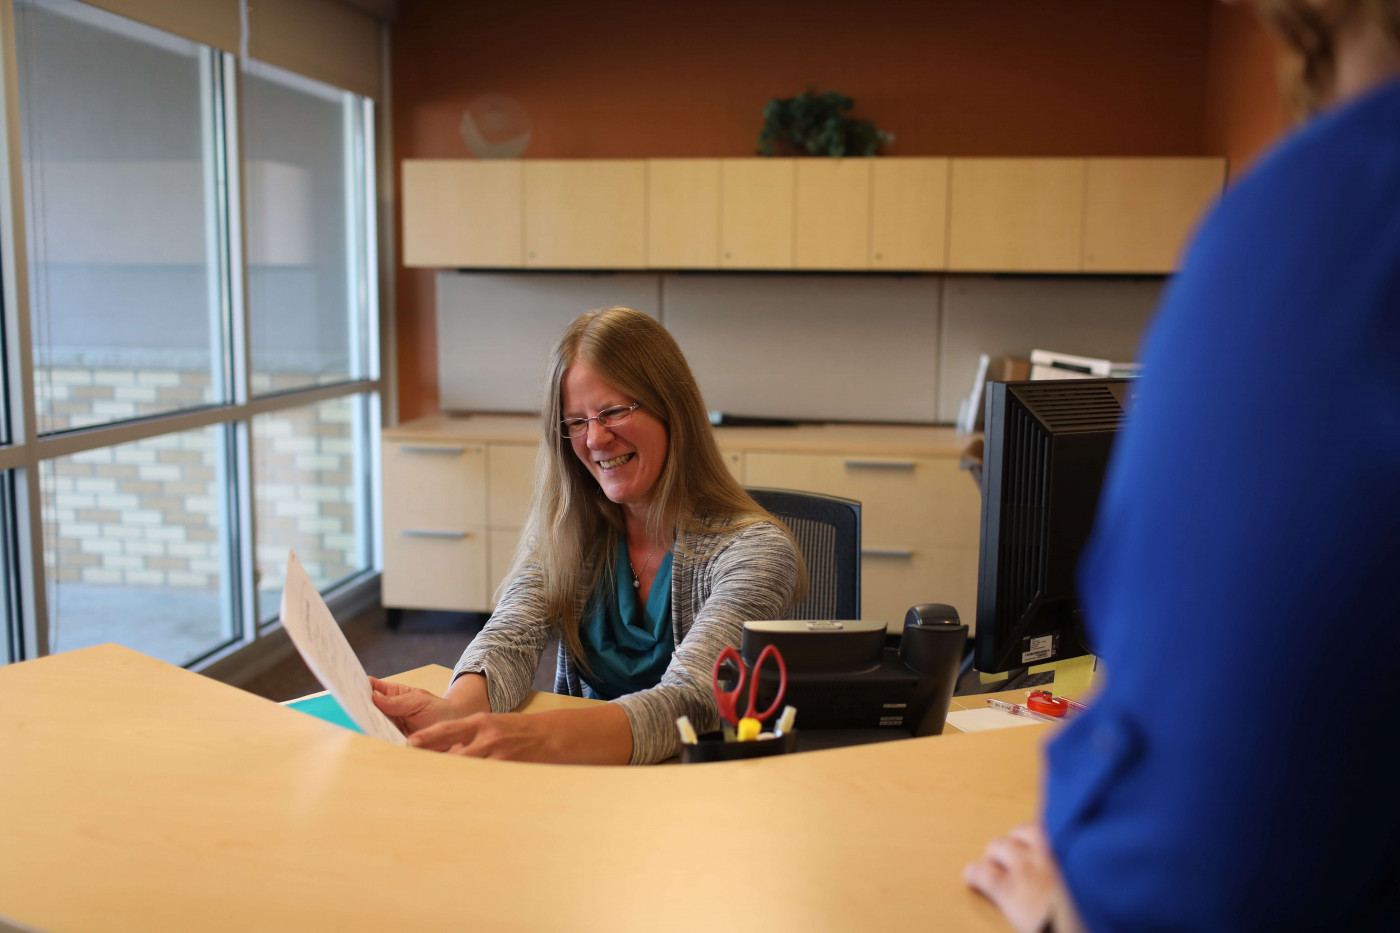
x,y
719,581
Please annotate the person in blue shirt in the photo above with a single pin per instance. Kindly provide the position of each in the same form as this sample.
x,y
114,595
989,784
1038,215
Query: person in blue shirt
x,y
1242,582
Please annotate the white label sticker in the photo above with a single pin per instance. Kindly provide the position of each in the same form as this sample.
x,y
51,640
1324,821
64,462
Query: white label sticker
x,y
1040,649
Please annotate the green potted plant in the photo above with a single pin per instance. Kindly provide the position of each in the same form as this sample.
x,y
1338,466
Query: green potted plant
x,y
817,123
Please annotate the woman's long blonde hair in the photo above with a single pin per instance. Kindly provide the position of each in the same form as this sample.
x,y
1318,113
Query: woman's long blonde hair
x,y
1309,31
570,519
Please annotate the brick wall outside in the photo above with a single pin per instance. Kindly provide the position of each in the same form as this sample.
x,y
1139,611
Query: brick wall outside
x,y
146,514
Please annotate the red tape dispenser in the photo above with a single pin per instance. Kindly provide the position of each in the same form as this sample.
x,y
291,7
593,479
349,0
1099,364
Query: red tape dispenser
x,y
1041,702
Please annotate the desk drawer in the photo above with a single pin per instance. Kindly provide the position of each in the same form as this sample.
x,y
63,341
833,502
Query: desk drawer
x,y
891,581
905,501
434,486
439,570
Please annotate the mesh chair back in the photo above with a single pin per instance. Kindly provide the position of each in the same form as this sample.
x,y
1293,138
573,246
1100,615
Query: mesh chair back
x,y
827,529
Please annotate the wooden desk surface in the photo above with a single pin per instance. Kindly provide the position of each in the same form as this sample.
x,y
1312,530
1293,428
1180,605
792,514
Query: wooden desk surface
x,y
141,795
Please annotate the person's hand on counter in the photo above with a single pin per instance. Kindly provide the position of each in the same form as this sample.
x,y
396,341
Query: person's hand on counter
x,y
1018,874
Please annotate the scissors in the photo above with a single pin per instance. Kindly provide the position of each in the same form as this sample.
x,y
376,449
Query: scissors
x,y
749,725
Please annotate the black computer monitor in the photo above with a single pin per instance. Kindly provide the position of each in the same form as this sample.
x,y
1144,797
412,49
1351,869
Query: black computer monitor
x,y
1045,452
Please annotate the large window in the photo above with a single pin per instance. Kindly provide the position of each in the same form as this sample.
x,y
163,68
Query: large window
x,y
199,378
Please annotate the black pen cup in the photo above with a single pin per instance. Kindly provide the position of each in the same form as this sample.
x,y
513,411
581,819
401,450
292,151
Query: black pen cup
x,y
712,747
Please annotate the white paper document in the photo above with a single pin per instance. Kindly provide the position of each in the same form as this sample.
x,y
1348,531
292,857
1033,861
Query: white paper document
x,y
324,649
981,720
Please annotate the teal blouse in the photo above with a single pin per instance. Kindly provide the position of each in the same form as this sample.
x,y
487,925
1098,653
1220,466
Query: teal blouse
x,y
627,648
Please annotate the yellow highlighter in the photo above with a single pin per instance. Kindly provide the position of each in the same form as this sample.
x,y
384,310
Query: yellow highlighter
x,y
749,729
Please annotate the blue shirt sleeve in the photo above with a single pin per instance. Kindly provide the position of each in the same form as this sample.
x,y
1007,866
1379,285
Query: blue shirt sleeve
x,y
1242,583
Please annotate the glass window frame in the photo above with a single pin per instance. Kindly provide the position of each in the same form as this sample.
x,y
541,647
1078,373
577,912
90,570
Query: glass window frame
x,y
22,549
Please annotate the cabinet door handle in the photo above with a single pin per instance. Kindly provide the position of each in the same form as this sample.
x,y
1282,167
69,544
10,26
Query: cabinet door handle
x,y
430,533
880,464
431,449
886,552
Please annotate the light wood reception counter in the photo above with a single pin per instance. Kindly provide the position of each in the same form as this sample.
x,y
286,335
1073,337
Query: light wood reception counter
x,y
135,795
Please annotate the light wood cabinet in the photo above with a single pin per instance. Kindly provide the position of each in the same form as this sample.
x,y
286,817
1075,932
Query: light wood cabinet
x,y
833,214
467,483
683,213
756,213
434,524
1138,213
909,214
510,482
463,212
1016,215
585,214
920,524
734,459
917,214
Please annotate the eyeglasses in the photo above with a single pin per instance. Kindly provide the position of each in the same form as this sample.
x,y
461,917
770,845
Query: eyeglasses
x,y
607,418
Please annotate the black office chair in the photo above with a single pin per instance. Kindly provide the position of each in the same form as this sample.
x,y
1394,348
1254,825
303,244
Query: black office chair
x,y
827,529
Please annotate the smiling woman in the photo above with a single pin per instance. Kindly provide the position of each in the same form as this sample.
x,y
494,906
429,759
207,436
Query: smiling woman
x,y
641,552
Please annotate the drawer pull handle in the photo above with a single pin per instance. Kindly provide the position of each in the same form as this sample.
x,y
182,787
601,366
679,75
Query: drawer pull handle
x,y
431,449
885,552
880,464
429,533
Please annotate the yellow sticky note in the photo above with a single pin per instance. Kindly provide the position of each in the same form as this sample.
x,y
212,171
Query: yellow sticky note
x,y
1072,677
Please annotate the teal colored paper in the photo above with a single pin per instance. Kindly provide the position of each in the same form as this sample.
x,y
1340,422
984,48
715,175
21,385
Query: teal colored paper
x,y
325,707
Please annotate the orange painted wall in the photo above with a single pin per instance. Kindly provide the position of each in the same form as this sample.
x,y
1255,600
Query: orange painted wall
x,y
1244,111
639,78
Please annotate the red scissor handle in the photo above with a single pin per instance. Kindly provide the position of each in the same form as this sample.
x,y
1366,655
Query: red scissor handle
x,y
768,650
726,699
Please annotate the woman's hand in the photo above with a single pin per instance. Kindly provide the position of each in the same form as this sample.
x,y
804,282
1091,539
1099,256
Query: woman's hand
x,y
507,736
1017,873
411,708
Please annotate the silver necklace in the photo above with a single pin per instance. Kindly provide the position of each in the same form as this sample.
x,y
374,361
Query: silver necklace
x,y
637,577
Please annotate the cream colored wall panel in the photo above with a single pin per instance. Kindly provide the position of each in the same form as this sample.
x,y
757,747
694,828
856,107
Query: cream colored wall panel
x,y
495,329
463,212
433,486
813,347
909,214
1138,213
1010,316
585,213
1016,215
510,483
833,214
683,213
435,572
756,213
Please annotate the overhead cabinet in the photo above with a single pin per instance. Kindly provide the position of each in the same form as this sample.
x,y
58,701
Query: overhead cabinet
x,y
463,212
1139,213
832,228
683,213
1015,215
756,198
585,214
909,214
886,214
